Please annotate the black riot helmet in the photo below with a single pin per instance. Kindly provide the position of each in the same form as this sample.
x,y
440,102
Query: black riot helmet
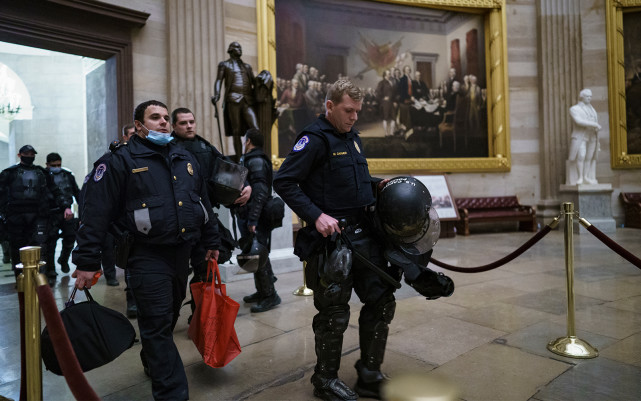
x,y
253,257
228,180
404,211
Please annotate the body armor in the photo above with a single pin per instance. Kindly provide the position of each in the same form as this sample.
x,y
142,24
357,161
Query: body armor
x,y
27,187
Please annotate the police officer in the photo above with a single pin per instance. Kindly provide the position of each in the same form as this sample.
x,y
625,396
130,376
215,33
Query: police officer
x,y
154,190
250,222
185,134
325,179
27,194
61,225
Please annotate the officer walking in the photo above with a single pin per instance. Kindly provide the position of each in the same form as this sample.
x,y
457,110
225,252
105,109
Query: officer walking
x,y
27,194
250,222
185,135
155,191
62,225
324,179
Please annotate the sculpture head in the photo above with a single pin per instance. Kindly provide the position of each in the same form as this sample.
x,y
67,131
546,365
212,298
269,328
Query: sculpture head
x,y
234,49
585,96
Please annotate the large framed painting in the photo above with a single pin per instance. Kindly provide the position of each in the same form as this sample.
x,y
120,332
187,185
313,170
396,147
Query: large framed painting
x,y
433,74
624,82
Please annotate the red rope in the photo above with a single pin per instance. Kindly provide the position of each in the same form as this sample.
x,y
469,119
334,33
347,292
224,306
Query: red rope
x,y
536,238
78,384
614,246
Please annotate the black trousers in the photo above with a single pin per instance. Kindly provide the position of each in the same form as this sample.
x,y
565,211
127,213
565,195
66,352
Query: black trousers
x,y
26,229
157,275
372,290
60,228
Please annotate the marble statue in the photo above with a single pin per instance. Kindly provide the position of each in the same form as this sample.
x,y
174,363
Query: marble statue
x,y
584,144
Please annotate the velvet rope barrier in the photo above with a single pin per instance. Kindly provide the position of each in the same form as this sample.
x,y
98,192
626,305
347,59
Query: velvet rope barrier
x,y
610,243
536,238
78,384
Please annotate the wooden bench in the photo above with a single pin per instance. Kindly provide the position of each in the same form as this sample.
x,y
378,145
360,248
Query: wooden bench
x,y
632,207
494,209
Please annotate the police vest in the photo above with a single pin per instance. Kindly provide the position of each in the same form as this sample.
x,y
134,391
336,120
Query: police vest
x,y
63,180
345,176
28,186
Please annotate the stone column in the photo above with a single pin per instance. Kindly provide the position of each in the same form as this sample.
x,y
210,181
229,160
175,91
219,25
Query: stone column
x,y
196,32
560,72
197,43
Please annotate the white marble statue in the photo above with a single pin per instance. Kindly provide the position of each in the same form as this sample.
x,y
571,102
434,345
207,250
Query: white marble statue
x,y
584,145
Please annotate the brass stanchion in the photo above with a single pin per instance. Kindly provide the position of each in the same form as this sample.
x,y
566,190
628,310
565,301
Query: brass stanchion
x,y
30,257
303,290
571,346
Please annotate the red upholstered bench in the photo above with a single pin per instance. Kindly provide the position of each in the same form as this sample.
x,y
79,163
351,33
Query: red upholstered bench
x,y
632,207
494,209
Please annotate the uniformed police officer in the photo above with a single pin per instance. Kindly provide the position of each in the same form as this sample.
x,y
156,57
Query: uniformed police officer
x,y
250,222
27,194
62,225
324,179
184,131
154,190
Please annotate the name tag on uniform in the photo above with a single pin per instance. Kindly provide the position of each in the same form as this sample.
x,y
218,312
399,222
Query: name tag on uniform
x,y
339,153
139,170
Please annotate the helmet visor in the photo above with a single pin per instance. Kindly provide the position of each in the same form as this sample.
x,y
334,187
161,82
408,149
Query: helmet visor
x,y
426,239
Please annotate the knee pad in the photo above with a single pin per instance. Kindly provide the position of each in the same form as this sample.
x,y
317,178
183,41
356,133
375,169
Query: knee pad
x,y
386,310
338,320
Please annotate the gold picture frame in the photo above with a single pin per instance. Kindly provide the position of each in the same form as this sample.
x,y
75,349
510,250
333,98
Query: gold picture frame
x,y
498,141
620,156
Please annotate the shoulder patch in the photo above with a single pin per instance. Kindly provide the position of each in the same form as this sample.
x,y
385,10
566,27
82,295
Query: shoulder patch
x,y
302,142
100,172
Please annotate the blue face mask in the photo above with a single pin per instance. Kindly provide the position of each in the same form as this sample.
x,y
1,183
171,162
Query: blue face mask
x,y
159,138
55,170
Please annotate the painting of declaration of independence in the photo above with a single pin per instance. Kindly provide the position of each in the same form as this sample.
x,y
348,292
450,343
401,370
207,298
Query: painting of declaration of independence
x,y
422,71
632,51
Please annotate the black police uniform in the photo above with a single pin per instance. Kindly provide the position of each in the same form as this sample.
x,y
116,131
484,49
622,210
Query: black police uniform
x,y
326,172
206,155
158,194
61,228
27,195
260,178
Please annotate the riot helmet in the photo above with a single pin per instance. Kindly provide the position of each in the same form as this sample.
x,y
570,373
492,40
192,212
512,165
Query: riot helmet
x,y
228,180
406,216
339,262
253,257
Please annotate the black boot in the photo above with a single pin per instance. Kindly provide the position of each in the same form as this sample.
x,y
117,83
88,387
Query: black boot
x,y
265,285
329,327
257,296
63,259
369,381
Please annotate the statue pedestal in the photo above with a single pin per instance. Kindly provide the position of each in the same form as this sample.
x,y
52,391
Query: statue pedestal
x,y
593,202
282,250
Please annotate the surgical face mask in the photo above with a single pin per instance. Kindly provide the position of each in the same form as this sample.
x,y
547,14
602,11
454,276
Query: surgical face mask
x,y
159,138
55,170
27,160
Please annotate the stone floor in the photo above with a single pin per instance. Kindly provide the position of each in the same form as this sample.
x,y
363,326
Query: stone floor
x,y
488,339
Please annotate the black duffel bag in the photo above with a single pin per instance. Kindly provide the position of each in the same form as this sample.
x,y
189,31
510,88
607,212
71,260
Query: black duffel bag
x,y
97,334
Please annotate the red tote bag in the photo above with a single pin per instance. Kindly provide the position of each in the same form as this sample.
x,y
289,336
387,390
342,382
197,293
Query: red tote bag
x,y
212,326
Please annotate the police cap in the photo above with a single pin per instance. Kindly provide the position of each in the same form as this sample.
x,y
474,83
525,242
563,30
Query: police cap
x,y
27,148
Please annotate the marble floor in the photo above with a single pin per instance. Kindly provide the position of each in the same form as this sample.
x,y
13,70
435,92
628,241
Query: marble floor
x,y
488,340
